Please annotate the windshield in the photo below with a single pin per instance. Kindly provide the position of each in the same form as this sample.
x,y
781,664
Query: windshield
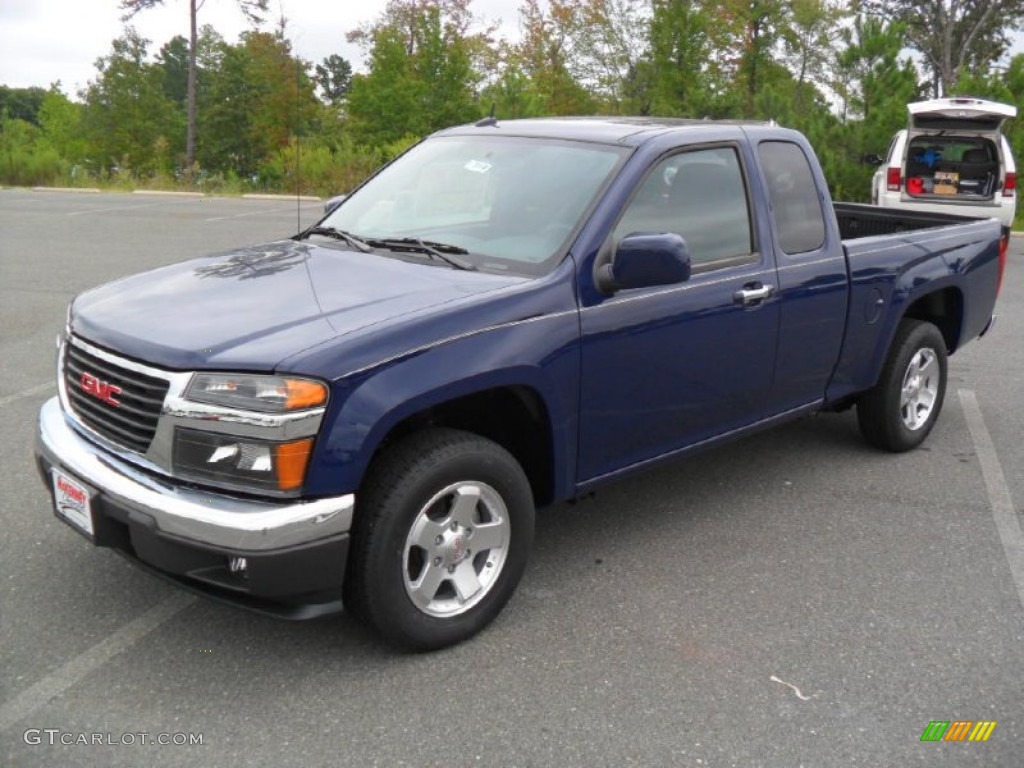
x,y
511,203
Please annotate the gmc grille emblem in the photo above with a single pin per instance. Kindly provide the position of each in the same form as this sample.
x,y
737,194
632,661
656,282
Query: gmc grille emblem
x,y
101,390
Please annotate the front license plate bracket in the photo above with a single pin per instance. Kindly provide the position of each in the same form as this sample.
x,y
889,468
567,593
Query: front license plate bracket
x,y
73,503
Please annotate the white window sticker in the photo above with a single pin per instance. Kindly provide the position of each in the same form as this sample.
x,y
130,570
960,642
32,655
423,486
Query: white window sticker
x,y
476,166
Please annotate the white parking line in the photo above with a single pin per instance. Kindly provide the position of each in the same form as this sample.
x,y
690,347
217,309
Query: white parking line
x,y
114,208
1007,523
37,389
264,212
54,684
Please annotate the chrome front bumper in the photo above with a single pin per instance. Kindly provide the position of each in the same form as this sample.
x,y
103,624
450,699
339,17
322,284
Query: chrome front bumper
x,y
206,519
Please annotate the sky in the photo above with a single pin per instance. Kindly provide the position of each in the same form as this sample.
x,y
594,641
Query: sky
x,y
43,41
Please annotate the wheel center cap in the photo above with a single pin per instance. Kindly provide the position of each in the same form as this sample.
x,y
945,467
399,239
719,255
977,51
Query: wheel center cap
x,y
455,548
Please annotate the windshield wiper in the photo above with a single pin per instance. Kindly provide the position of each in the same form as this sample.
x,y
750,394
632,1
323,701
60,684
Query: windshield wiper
x,y
338,234
445,252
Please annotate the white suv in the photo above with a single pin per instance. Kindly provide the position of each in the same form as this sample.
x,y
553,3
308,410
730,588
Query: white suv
x,y
951,159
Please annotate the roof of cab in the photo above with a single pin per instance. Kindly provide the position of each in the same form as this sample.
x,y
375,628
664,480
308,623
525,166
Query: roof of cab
x,y
610,130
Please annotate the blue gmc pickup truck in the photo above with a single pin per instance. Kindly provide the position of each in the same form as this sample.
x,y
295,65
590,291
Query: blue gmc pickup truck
x,y
510,314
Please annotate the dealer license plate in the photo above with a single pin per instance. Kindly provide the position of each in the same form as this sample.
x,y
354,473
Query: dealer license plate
x,y
72,501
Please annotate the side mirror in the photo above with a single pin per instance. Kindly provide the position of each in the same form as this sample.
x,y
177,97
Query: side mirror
x,y
645,259
333,203
872,159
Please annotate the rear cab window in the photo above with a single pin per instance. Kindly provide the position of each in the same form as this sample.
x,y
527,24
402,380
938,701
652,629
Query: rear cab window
x,y
795,202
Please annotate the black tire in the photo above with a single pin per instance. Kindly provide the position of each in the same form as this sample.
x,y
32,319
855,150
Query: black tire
x,y
392,506
885,421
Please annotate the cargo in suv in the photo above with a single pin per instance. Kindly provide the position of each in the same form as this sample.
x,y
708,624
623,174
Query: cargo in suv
x,y
951,158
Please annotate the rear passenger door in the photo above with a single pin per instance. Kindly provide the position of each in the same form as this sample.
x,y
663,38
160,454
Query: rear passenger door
x,y
811,274
670,366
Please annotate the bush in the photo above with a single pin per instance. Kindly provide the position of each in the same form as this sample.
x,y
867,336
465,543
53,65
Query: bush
x,y
20,166
25,159
322,170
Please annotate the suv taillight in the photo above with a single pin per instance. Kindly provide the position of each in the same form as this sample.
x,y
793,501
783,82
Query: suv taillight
x,y
893,180
1010,184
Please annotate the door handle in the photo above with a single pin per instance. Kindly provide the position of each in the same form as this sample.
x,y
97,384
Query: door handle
x,y
753,294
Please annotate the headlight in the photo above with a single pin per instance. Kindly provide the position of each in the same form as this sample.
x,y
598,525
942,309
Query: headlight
x,y
253,392
240,461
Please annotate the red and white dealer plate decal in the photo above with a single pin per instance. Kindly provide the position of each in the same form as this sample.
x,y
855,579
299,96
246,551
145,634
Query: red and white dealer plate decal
x,y
72,501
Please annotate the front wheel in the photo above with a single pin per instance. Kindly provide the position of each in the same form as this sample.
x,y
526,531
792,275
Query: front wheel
x,y
900,411
443,531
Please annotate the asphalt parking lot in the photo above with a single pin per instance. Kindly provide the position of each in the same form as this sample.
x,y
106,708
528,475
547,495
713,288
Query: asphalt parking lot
x,y
793,599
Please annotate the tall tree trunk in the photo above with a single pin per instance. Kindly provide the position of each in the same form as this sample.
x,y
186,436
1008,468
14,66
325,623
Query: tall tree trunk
x,y
190,132
753,46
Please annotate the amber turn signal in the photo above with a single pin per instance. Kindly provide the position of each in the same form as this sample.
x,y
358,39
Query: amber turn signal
x,y
303,393
290,460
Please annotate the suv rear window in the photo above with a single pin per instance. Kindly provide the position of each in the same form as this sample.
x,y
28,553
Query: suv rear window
x,y
952,165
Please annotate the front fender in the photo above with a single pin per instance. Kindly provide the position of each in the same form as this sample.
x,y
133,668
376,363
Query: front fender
x,y
540,354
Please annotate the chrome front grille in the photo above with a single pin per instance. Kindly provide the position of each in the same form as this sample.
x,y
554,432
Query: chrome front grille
x,y
128,413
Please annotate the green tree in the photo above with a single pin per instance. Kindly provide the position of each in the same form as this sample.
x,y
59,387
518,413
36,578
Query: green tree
x,y
1005,84
677,72
878,83
809,42
250,8
21,103
256,99
128,118
953,36
755,29
874,85
384,104
61,122
173,58
334,77
420,74
25,157
511,91
546,54
608,40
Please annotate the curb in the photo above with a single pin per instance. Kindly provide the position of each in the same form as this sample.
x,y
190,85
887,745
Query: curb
x,y
1017,234
91,190
303,198
168,193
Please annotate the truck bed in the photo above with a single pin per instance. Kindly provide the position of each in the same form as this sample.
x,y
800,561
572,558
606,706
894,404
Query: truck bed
x,y
857,220
891,261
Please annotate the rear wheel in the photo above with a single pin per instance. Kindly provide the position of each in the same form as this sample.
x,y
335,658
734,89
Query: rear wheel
x,y
900,411
443,531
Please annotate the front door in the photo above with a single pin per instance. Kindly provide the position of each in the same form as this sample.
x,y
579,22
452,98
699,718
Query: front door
x,y
670,366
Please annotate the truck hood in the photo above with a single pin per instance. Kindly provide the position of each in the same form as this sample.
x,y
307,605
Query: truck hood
x,y
251,308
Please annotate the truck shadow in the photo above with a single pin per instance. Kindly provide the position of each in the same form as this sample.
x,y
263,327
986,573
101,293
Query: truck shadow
x,y
636,514
577,546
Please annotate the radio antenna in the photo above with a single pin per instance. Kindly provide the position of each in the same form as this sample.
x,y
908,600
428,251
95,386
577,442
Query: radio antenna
x,y
296,130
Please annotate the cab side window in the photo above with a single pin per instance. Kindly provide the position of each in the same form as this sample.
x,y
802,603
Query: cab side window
x,y
700,195
796,207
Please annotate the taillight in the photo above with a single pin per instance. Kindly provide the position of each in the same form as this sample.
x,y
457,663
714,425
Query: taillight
x,y
1010,184
1004,246
892,180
